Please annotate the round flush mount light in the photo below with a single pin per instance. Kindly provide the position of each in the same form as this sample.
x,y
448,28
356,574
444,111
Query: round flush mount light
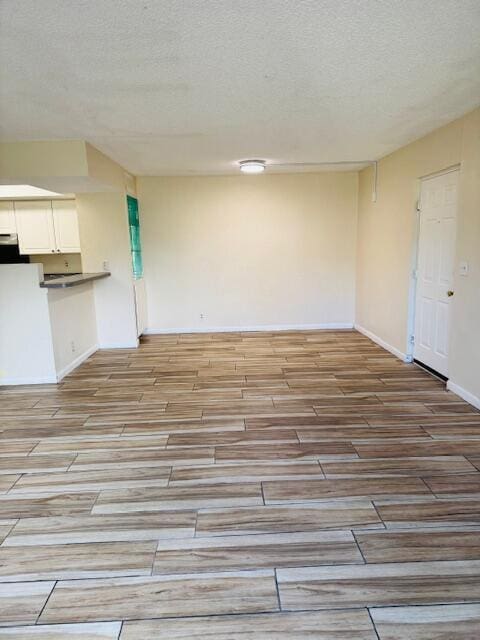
x,y
252,166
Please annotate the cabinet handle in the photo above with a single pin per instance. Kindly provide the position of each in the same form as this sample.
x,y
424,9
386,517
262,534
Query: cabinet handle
x,y
53,250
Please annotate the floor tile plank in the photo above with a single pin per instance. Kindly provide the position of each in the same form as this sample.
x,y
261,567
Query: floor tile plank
x,y
256,551
319,490
371,585
102,528
147,499
323,625
437,512
420,467
68,561
276,519
245,472
29,506
311,451
420,545
452,622
88,631
21,603
170,596
87,481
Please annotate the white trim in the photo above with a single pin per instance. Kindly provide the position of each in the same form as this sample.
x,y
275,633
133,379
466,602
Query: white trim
x,y
17,381
442,172
75,363
116,345
382,343
464,394
259,327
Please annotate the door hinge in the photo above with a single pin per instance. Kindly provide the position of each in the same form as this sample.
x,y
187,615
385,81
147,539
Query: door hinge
x,y
412,339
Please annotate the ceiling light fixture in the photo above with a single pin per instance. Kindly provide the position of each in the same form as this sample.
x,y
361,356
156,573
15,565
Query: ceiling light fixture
x,y
252,166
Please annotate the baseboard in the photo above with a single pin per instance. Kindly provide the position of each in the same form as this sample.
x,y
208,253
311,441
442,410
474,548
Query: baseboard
x,y
396,352
75,363
259,327
17,381
116,345
464,394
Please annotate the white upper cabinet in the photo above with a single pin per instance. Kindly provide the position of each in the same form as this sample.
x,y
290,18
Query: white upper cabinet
x,y
7,217
65,222
46,226
35,227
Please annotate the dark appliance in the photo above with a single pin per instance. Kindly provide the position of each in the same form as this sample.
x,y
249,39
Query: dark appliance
x,y
9,252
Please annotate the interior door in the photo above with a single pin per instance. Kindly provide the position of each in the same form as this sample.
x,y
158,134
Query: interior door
x,y
65,221
435,270
35,227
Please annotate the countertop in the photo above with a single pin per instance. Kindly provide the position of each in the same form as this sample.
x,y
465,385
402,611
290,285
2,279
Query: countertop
x,y
63,281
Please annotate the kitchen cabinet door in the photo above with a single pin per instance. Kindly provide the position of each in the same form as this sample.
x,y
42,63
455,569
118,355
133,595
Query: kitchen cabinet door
x,y
7,217
65,222
35,227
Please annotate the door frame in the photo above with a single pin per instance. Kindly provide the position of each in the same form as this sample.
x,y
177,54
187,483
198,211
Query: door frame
x,y
412,290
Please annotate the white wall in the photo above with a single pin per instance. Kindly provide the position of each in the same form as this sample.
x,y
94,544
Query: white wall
x,y
38,326
249,252
104,236
73,324
26,350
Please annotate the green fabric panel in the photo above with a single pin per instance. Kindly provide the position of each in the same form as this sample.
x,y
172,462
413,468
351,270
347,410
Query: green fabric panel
x,y
137,264
135,240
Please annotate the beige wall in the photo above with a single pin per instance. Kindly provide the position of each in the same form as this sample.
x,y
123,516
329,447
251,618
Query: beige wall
x,y
104,236
73,325
249,251
65,166
59,263
386,236
465,347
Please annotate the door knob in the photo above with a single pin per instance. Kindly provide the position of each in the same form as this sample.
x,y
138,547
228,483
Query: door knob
x,y
450,293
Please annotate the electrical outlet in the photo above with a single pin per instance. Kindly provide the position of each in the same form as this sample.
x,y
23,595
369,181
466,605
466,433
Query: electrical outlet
x,y
106,265
202,317
67,264
72,344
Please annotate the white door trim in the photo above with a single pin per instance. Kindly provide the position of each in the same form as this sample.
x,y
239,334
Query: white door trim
x,y
436,174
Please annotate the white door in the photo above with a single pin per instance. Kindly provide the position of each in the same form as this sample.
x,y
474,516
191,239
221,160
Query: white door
x,y
7,218
35,227
65,221
435,270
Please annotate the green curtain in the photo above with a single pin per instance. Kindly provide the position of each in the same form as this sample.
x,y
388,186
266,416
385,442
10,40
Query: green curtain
x,y
135,241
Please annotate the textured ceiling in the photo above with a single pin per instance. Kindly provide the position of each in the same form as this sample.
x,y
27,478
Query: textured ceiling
x,y
191,86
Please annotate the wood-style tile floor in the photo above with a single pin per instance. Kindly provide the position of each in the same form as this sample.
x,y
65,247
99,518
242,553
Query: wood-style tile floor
x,y
240,486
